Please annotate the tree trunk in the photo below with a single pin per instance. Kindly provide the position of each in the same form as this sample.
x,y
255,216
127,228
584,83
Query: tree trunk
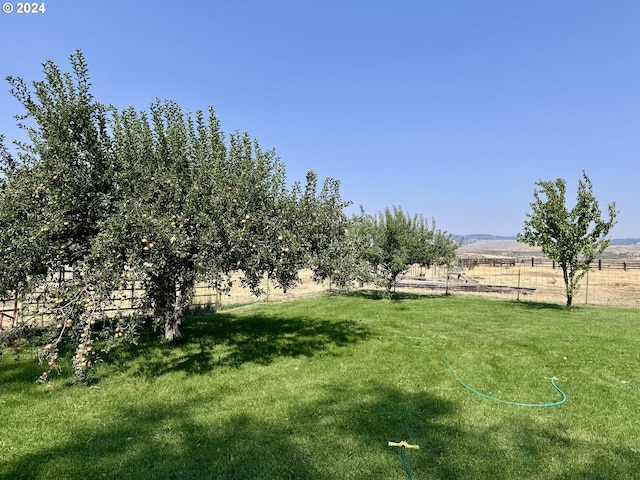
x,y
568,284
390,284
172,308
15,309
173,325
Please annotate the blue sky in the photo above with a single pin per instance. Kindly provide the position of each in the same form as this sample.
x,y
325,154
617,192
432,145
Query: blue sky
x,y
450,109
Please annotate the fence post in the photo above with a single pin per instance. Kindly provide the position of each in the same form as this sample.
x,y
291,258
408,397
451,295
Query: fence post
x,y
586,290
518,296
599,264
624,266
446,290
532,261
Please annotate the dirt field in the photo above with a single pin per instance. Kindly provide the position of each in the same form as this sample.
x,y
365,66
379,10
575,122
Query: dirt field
x,y
204,296
513,248
238,295
520,281
543,284
611,286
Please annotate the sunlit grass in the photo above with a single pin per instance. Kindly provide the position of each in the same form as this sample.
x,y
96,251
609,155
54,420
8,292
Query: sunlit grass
x,y
315,388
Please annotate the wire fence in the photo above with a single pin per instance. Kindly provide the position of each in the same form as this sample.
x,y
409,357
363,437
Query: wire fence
x,y
34,309
607,283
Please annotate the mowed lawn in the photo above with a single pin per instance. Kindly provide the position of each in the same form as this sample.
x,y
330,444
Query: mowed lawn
x,y
316,388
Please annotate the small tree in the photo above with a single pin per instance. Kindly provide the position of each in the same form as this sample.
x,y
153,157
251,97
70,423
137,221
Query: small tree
x,y
393,241
573,237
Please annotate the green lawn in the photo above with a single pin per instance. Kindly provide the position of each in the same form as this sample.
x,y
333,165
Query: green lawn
x,y
316,388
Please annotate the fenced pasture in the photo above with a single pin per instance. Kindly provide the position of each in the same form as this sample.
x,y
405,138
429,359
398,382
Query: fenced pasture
x,y
612,282
608,282
205,296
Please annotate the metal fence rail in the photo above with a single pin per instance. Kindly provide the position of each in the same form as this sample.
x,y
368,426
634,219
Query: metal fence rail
x,y
31,310
607,283
599,264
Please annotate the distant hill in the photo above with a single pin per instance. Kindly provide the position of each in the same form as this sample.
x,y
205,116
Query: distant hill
x,y
625,241
477,237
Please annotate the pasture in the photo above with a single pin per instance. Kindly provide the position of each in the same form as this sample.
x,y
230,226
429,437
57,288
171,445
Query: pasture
x,y
316,388
607,287
505,270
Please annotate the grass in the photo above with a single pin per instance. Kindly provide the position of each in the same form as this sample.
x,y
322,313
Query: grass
x,y
315,388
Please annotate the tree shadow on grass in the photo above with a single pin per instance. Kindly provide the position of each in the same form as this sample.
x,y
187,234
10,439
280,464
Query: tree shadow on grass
x,y
538,305
521,445
163,441
368,294
378,414
228,340
382,295
16,371
343,433
155,439
399,296
550,451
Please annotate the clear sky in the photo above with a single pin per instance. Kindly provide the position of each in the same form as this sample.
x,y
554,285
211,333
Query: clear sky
x,y
452,109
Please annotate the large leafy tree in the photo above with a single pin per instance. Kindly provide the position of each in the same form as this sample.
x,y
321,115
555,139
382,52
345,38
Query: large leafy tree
x,y
55,194
153,235
324,227
57,191
156,198
393,240
23,256
572,237
192,207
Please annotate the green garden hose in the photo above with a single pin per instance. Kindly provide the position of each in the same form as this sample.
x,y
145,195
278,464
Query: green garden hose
x,y
484,395
406,466
553,382
404,445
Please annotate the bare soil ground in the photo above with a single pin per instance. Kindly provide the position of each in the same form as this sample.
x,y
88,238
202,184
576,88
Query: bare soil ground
x,y
611,287
238,295
205,296
521,281
515,249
